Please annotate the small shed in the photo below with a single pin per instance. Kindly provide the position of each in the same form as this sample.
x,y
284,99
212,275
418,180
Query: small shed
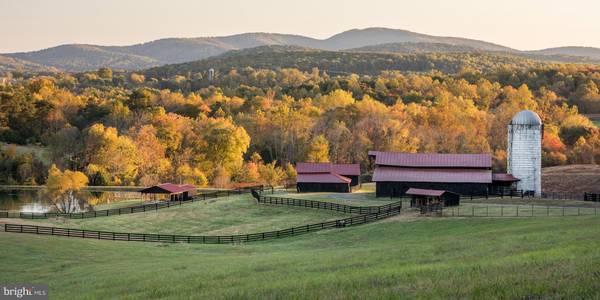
x,y
423,197
323,182
169,191
502,183
351,171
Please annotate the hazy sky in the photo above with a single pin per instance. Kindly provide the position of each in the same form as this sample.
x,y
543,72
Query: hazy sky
x,y
523,24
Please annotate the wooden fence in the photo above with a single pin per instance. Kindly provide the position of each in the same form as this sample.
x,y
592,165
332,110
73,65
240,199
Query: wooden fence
x,y
384,212
519,211
328,205
130,209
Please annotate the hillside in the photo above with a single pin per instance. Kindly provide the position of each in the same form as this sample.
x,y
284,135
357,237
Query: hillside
x,y
411,47
590,52
415,47
575,179
85,57
79,57
336,62
11,64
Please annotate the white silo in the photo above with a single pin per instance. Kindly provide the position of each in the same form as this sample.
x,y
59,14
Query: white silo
x,y
525,133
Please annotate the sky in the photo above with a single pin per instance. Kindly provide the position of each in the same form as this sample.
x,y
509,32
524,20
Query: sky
x,y
27,25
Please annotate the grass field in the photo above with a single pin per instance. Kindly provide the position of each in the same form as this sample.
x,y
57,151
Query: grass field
x,y
425,258
406,256
238,214
361,196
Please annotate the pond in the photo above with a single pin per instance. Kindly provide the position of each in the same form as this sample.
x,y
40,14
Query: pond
x,y
34,200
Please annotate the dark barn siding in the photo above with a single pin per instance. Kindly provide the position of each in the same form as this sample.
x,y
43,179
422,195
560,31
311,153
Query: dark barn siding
x,y
307,187
397,189
355,179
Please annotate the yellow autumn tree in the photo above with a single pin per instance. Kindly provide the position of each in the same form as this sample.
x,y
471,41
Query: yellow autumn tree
x,y
62,188
318,150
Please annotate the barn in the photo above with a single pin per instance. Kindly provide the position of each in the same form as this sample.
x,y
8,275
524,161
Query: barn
x,y
466,174
327,177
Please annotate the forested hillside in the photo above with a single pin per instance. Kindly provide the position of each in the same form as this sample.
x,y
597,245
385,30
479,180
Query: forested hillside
x,y
248,123
335,62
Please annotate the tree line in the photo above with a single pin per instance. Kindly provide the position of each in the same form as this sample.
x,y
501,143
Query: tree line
x,y
252,125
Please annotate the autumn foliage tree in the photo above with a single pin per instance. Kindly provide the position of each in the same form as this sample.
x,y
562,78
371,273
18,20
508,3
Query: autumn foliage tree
x,y
62,188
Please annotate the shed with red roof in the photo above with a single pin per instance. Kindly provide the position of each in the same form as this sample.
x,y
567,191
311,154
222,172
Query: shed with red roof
x,y
327,177
425,197
170,191
351,171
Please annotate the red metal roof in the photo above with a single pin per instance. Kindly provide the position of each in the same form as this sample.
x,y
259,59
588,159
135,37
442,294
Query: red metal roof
x,y
170,188
504,177
432,160
395,174
424,192
322,178
342,169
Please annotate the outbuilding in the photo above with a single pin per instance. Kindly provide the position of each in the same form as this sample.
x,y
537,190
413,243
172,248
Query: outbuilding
x,y
169,191
322,182
503,183
424,197
351,171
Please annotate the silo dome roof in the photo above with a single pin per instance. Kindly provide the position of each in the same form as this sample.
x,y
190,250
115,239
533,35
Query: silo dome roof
x,y
526,117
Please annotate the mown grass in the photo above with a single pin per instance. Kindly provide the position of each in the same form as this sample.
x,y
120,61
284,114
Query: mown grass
x,y
238,214
518,210
361,196
426,258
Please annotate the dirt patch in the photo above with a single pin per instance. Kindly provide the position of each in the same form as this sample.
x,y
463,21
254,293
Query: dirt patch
x,y
575,179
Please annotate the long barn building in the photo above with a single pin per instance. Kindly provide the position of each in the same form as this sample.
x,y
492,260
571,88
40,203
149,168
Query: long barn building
x,y
327,177
395,173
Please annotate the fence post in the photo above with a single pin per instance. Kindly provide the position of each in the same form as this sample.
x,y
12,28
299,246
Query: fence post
x,y
517,210
532,210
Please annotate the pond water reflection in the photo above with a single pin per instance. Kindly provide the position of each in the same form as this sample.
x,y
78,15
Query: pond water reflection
x,y
34,200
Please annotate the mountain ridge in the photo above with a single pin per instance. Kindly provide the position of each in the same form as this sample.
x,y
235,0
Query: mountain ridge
x,y
85,57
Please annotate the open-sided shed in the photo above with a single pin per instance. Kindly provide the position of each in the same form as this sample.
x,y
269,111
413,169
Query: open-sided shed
x,y
169,191
424,197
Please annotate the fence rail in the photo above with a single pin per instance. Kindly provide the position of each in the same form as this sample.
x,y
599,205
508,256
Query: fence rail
x,y
327,205
519,211
131,209
222,239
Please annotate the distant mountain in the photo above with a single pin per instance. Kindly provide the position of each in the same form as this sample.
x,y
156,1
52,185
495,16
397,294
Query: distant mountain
x,y
412,47
11,64
356,38
541,55
79,57
590,52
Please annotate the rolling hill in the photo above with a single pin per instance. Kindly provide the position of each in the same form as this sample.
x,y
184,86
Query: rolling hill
x,y
80,57
341,62
541,55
